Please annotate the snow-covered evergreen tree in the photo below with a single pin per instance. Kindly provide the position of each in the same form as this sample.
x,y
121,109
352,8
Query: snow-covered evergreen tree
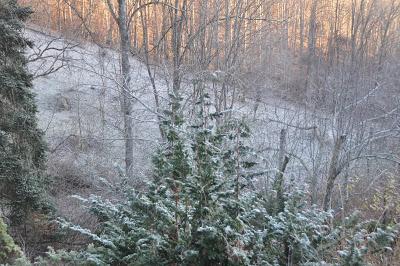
x,y
22,150
200,210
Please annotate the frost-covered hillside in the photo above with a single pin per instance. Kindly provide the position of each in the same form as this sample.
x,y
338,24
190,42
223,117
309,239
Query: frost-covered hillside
x,y
79,110
79,106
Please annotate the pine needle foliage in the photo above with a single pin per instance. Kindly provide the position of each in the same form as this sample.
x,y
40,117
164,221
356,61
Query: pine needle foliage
x,y
22,150
199,209
8,249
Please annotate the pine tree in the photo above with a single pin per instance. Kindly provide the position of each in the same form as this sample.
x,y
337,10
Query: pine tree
x,y
10,253
199,210
22,150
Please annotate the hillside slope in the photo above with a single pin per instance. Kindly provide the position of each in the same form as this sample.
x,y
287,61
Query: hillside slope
x,y
80,113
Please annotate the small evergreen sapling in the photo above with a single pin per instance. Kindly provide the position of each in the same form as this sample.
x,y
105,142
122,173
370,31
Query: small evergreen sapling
x,y
200,209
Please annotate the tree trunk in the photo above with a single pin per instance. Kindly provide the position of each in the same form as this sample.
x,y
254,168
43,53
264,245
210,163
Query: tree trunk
x,y
312,40
176,53
126,79
283,161
333,172
151,75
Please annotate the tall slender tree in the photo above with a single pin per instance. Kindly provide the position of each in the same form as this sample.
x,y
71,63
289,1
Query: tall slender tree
x,y
22,150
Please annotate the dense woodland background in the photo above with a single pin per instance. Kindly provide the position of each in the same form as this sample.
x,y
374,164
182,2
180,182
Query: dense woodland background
x,y
304,94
